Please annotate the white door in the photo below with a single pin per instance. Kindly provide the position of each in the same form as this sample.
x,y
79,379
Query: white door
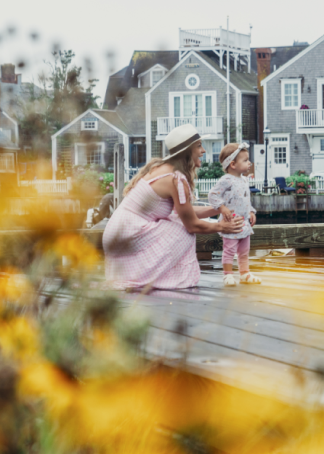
x,y
279,157
192,107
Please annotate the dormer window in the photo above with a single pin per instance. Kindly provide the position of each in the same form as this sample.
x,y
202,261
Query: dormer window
x,y
89,124
156,76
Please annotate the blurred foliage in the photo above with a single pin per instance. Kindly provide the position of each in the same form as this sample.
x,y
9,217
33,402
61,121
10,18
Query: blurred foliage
x,y
92,179
210,170
60,98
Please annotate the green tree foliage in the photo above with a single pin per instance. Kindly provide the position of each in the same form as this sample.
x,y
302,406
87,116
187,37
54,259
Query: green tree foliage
x,y
210,170
60,99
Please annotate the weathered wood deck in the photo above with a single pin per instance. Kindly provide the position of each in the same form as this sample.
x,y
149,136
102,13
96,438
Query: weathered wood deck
x,y
269,338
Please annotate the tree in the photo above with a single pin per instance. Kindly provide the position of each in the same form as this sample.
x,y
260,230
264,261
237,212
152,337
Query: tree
x,y
60,98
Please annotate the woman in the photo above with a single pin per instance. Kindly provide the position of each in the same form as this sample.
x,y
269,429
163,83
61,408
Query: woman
x,y
144,242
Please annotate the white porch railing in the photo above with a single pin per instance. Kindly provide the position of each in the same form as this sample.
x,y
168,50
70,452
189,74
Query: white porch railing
x,y
47,186
204,125
212,37
310,118
204,186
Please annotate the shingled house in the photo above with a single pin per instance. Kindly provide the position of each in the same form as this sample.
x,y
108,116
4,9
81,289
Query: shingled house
x,y
160,90
294,112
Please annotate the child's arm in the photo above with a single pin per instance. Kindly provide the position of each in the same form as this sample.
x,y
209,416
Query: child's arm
x,y
216,198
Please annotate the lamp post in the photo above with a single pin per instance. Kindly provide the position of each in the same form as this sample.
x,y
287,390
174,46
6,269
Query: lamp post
x,y
266,135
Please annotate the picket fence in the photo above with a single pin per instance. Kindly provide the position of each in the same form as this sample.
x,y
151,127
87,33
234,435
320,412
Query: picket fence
x,y
204,186
47,186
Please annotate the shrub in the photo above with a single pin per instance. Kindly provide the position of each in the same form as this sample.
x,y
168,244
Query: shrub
x,y
299,180
90,181
210,170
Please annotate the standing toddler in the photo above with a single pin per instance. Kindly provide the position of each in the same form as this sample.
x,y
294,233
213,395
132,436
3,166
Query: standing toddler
x,y
231,196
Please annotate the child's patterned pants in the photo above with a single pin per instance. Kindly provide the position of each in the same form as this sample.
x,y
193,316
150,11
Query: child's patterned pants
x,y
239,246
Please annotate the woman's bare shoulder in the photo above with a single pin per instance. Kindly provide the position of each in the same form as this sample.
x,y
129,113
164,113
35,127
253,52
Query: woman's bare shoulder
x,y
157,171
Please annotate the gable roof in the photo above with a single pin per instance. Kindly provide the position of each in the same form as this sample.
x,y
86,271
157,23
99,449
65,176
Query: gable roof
x,y
132,110
141,61
244,81
279,55
112,118
5,142
293,60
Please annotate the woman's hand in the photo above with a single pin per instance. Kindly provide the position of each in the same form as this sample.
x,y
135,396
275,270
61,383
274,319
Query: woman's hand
x,y
234,226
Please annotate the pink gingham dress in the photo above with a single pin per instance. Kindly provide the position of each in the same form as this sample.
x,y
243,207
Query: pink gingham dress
x,y
146,244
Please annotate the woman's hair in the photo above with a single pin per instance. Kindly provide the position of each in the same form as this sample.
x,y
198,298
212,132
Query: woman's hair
x,y
182,162
228,150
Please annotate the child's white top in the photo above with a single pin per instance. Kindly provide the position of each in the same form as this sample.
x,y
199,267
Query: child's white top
x,y
234,193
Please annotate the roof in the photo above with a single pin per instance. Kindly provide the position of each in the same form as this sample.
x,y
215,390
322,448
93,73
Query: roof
x,y
279,55
292,60
132,110
113,118
120,82
242,80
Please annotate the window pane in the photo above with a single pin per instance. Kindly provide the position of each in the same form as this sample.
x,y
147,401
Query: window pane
x,y
177,106
157,75
187,105
208,101
216,149
7,162
322,144
198,105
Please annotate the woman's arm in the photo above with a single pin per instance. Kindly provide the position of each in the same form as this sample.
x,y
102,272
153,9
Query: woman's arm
x,y
205,212
195,225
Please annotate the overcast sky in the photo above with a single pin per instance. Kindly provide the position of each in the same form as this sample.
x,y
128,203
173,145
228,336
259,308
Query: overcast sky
x,y
95,29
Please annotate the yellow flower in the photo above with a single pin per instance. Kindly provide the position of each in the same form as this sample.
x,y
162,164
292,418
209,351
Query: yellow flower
x,y
15,288
19,339
77,249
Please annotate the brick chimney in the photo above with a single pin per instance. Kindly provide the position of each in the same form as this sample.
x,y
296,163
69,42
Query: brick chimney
x,y
8,74
263,55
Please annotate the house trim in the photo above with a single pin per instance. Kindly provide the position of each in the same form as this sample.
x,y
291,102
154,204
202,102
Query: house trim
x,y
15,124
175,67
148,125
152,69
293,60
173,94
320,83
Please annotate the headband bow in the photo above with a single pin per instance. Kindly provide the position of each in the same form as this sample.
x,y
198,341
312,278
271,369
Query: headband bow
x,y
232,156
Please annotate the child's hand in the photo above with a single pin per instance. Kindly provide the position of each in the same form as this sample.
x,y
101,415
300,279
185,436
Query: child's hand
x,y
252,219
227,215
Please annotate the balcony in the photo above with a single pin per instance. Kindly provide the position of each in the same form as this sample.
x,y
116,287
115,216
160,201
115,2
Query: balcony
x,y
214,37
310,121
204,125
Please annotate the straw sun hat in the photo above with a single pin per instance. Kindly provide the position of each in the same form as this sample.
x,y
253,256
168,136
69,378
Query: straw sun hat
x,y
180,138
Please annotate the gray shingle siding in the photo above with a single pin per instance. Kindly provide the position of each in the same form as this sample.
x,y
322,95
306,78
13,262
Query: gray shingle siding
x,y
209,81
146,80
308,67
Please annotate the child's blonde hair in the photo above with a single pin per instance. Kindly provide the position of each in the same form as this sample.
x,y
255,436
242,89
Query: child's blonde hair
x,y
228,150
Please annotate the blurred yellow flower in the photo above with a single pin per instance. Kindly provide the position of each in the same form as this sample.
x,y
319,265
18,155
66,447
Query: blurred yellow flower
x,y
77,249
15,287
19,339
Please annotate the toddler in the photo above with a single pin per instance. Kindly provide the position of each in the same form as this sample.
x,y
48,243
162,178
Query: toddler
x,y
231,196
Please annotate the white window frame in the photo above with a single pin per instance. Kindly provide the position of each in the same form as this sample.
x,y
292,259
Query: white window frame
x,y
285,82
156,70
175,94
321,151
76,154
276,144
12,156
150,71
187,81
320,83
83,122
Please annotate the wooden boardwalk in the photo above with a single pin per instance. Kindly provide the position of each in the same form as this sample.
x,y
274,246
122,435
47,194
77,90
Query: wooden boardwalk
x,y
268,337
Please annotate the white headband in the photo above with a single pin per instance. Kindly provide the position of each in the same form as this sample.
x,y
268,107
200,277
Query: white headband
x,y
232,156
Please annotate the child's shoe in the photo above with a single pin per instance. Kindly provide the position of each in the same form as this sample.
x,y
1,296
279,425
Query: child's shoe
x,y
249,278
229,280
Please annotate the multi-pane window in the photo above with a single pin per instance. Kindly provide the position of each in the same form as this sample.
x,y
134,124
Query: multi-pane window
x,y
89,154
279,139
7,162
156,76
322,144
280,155
290,93
89,124
216,149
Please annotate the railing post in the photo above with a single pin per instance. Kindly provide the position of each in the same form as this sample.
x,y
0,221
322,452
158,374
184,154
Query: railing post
x,y
119,170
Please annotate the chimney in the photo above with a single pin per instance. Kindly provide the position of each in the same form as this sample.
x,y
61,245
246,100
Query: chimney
x,y
8,74
263,55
